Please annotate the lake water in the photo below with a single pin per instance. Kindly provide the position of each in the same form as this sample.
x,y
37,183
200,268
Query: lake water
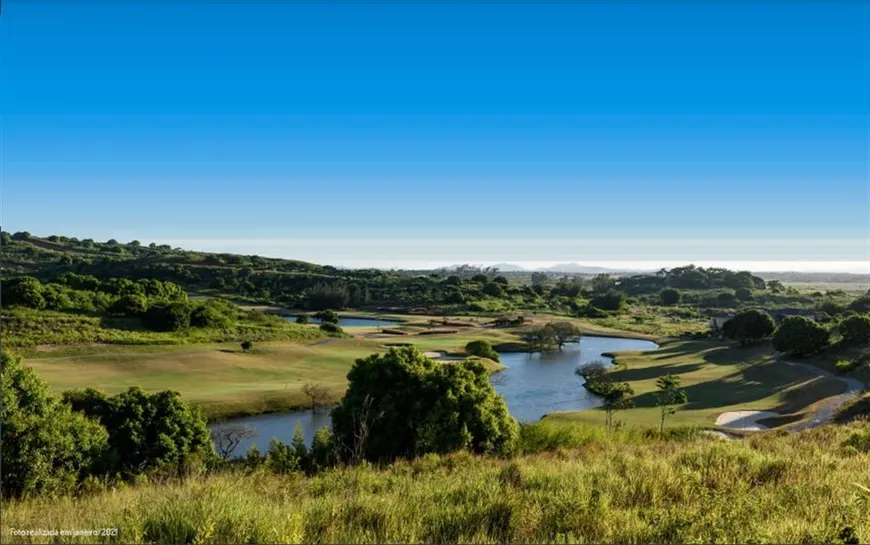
x,y
351,321
533,385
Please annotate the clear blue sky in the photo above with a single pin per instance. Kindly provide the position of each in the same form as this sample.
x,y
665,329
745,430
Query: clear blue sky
x,y
395,133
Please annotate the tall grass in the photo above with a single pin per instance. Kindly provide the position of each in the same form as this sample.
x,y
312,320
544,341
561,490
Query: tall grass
x,y
595,487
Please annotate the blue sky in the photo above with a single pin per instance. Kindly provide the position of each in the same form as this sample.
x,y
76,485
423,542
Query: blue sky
x,y
427,133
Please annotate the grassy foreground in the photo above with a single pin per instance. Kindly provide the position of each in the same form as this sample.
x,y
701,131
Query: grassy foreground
x,y
775,488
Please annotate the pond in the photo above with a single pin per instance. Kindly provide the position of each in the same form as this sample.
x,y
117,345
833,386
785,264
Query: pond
x,y
353,321
532,385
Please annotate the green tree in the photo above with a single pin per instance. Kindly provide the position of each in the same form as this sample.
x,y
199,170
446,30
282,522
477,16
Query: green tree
x,y
300,448
856,329
539,278
209,316
602,283
247,345
493,289
25,292
501,280
775,286
302,318
612,300
402,404
482,349
800,336
749,326
169,317
668,396
326,316
564,332
726,299
322,453
147,431
861,305
5,239
46,447
616,398
743,294
130,305
669,296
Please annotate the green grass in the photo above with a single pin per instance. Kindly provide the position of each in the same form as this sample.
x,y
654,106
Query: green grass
x,y
793,488
717,378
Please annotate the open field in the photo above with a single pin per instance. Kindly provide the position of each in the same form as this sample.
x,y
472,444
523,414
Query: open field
x,y
717,378
595,488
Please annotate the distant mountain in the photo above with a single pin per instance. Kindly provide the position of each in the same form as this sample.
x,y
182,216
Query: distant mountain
x,y
509,267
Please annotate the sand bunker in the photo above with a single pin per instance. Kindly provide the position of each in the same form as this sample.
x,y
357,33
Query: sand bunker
x,y
442,356
744,420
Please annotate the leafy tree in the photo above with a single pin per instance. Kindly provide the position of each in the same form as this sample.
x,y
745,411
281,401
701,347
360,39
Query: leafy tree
x,y
169,317
46,447
302,318
726,299
146,431
282,458
330,327
247,345
800,336
130,305
480,278
564,332
21,235
670,296
743,294
322,453
856,329
591,371
669,394
493,289
602,283
749,326
5,239
775,286
612,300
318,394
209,316
539,338
402,404
539,278
501,280
482,349
25,292
616,399
327,316
300,448
861,305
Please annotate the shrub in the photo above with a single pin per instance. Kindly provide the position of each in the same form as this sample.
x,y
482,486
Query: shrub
x,y
129,305
209,316
402,404
146,431
800,336
47,448
482,349
168,316
246,345
743,294
749,326
24,292
612,300
856,329
302,318
330,327
669,296
844,366
327,316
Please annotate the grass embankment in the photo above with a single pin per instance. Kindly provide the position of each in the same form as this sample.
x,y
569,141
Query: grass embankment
x,y
717,378
616,488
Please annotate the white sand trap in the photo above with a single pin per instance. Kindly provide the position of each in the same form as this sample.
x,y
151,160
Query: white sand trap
x,y
442,356
744,420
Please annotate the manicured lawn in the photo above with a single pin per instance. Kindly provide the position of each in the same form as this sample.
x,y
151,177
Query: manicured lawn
x,y
717,378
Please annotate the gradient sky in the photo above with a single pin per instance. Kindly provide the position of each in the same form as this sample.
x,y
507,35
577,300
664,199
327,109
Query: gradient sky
x,y
428,133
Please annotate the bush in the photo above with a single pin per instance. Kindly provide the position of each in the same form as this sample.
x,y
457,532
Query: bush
x,y
24,292
800,336
302,318
743,294
129,305
845,366
493,289
327,316
749,326
612,300
482,349
669,296
47,448
168,317
246,345
856,329
402,404
330,327
146,431
209,316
